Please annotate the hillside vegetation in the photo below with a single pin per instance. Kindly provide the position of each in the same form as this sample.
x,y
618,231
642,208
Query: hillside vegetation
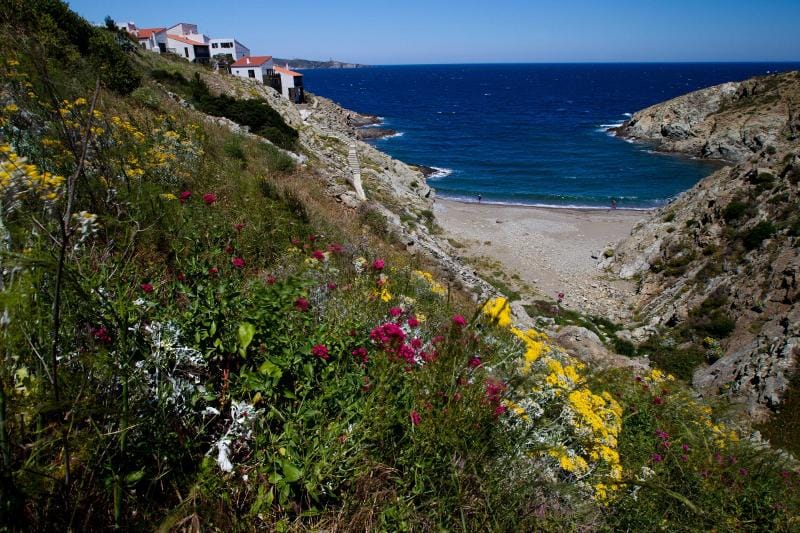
x,y
197,335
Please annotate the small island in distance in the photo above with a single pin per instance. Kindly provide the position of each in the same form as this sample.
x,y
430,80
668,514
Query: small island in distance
x,y
312,64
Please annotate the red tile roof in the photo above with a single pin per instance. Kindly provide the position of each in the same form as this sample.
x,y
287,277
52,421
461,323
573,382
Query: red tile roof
x,y
145,33
287,71
251,61
182,39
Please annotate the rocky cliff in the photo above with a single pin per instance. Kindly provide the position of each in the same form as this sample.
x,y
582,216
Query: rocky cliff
x,y
718,269
731,121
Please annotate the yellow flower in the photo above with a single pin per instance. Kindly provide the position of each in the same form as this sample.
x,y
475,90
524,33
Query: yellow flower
x,y
499,311
168,196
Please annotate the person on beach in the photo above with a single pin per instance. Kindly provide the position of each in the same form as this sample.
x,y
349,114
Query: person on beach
x,y
479,198
613,203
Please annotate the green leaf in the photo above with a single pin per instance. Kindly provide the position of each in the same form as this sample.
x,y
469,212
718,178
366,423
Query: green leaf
x,y
245,334
133,477
291,472
270,369
274,478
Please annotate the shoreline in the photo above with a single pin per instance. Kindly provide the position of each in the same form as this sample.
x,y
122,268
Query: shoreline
x,y
543,251
551,207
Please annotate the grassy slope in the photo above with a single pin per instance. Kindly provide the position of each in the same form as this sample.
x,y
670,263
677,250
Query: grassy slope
x,y
162,328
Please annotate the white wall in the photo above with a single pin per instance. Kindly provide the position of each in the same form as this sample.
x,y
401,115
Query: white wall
x,y
181,49
237,50
260,72
183,29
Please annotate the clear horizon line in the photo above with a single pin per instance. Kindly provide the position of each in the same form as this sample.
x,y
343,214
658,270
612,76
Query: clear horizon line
x,y
655,62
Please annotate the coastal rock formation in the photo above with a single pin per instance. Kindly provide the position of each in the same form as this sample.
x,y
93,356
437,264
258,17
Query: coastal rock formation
x,y
721,263
731,121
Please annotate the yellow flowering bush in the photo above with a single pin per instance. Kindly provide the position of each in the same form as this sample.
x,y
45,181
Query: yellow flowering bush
x,y
19,178
434,286
573,430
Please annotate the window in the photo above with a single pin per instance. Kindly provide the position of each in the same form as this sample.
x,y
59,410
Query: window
x,y
251,73
186,51
226,45
214,45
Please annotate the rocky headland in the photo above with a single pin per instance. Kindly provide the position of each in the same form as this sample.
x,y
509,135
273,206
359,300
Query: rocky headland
x,y
718,269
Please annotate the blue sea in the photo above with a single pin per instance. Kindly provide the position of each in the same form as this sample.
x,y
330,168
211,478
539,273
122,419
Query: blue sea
x,y
531,134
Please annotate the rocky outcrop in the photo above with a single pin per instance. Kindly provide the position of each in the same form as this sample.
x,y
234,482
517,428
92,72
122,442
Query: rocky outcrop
x,y
731,121
723,259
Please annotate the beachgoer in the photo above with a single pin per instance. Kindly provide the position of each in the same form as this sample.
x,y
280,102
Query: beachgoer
x,y
613,203
479,198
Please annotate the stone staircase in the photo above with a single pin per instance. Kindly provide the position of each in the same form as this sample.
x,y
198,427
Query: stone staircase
x,y
355,169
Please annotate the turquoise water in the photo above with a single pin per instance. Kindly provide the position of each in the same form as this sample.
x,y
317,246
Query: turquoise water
x,y
531,134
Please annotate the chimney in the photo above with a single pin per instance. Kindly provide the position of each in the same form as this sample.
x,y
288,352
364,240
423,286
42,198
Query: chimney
x,y
248,60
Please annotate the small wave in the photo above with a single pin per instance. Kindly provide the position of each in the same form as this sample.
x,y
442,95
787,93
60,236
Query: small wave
x,y
473,200
612,125
629,115
440,172
392,136
569,177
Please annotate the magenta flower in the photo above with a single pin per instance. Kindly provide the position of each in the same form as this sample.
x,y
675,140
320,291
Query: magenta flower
x,y
499,410
378,264
301,304
658,400
332,286
656,458
239,227
661,434
685,447
181,277
147,288
101,335
474,362
395,311
238,262
184,196
413,322
361,353
321,351
210,198
415,418
318,255
459,320
335,248
213,271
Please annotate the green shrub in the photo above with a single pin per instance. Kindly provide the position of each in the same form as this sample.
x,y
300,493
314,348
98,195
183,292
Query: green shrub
x,y
624,347
753,238
233,149
735,210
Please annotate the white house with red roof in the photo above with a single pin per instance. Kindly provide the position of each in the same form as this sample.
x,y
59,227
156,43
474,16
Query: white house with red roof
x,y
152,39
291,84
196,51
259,68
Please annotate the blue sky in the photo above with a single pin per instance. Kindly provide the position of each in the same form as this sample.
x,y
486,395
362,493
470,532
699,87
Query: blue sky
x,y
472,31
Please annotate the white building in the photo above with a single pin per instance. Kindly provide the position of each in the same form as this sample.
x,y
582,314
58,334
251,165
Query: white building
x,y
259,68
291,84
153,39
189,49
222,46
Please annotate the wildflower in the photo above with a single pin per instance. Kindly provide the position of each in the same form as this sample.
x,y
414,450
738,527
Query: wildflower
x,y
416,343
210,198
560,297
663,435
332,286
666,444
684,458
335,248
685,447
213,271
415,418
499,410
474,362
743,472
168,196
271,279
658,400
301,304
229,249
101,335
238,262
318,255
238,227
378,264
656,458
184,196
181,277
361,353
395,311
321,351
498,310
147,288
459,320
413,322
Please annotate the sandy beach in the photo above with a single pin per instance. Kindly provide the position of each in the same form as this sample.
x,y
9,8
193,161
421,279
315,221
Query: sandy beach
x,y
551,250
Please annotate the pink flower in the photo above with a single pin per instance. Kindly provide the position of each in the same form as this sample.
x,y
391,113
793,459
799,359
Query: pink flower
x,y
378,264
229,249
184,196
656,458
301,304
181,277
395,311
271,279
416,343
238,262
459,320
296,242
239,227
361,353
146,288
335,248
213,271
684,458
332,286
474,362
685,447
210,198
321,351
661,434
312,238
415,418
743,472
499,410
658,400
413,322
101,335
318,255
